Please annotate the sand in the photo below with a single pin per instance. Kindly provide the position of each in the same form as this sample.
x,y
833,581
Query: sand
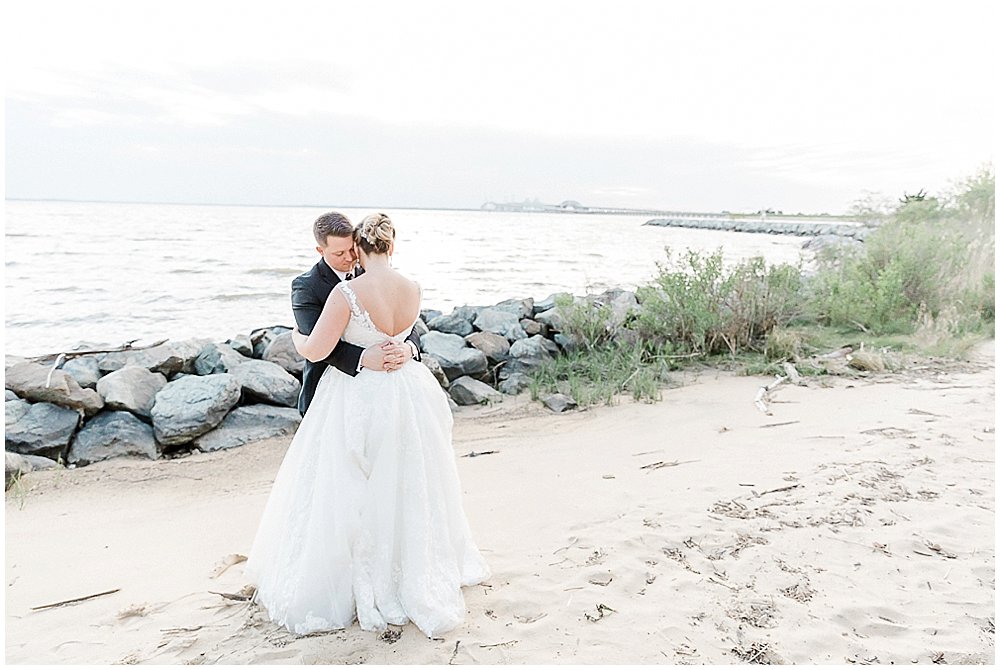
x,y
854,524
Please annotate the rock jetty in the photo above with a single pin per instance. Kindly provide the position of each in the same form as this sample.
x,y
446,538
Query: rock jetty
x,y
176,398
802,227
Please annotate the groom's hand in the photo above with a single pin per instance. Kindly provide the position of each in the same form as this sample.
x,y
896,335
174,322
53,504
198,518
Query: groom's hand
x,y
386,357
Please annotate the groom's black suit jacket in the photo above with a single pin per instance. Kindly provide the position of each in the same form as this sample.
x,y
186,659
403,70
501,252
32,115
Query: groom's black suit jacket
x,y
309,293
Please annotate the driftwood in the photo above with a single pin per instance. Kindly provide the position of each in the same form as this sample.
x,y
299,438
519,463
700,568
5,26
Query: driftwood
x,y
839,353
64,356
792,373
760,400
67,355
76,600
473,454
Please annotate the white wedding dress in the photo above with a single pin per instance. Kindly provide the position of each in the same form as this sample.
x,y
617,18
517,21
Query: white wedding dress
x,y
365,517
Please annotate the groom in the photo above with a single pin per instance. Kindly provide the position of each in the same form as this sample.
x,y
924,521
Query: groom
x,y
334,235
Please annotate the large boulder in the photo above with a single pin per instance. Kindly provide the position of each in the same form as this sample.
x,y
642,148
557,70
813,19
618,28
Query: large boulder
x,y
532,327
242,345
494,346
455,325
44,430
622,304
167,359
521,307
532,352
192,406
282,351
17,464
549,302
420,328
553,318
262,338
469,391
131,388
500,322
249,424
514,383
434,365
426,315
84,370
112,434
15,409
455,357
215,359
32,381
267,382
466,312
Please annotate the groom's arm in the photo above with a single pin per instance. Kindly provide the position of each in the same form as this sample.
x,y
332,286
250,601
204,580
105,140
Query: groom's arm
x,y
306,308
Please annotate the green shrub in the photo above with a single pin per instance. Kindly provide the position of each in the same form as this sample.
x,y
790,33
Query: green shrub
x,y
698,305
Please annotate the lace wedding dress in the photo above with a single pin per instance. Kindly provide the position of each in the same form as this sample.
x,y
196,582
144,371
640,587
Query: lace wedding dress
x,y
365,517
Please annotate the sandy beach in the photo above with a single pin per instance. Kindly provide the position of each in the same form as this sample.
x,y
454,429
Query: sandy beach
x,y
853,524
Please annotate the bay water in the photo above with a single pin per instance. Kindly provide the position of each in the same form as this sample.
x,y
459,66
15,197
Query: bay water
x,y
106,273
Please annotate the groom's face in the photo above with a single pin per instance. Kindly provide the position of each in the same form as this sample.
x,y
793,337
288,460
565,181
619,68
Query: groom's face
x,y
339,253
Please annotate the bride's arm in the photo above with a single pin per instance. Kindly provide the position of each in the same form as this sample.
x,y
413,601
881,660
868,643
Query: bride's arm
x,y
328,329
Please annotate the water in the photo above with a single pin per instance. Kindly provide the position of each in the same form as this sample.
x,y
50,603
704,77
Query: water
x,y
108,272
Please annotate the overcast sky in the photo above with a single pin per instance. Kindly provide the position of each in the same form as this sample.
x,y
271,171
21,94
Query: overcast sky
x,y
796,106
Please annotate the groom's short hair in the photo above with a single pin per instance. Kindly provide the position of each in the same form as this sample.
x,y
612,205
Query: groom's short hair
x,y
332,223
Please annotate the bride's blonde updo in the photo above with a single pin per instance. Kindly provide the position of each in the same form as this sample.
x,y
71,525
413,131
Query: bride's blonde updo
x,y
374,234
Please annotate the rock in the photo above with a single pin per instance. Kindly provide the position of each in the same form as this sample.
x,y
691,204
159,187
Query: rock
x,y
622,304
468,391
427,315
452,405
44,430
466,312
15,409
267,382
515,383
282,352
249,424
262,338
131,388
84,370
494,346
113,434
559,402
420,328
521,308
455,357
192,406
532,327
9,395
241,344
567,343
18,464
167,359
450,324
434,365
549,303
215,359
500,322
28,381
532,352
552,318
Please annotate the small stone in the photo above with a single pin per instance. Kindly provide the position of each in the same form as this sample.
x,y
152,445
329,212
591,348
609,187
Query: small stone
x,y
558,402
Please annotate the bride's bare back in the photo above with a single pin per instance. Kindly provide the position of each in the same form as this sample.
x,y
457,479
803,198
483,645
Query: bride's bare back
x,y
391,300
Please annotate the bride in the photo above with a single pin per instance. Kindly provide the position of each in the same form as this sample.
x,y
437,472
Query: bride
x,y
365,517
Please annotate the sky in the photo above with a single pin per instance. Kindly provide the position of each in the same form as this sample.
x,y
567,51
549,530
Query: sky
x,y
697,106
